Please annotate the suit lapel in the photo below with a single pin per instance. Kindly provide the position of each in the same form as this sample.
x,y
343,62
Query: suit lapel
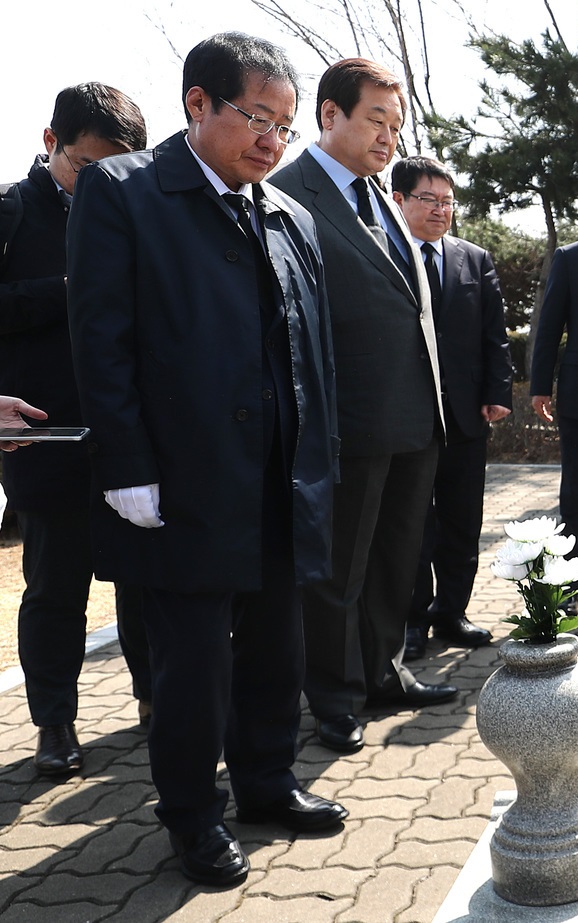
x,y
453,261
336,209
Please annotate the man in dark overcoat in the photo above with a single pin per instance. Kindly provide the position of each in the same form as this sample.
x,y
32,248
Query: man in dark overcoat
x,y
560,314
48,486
202,348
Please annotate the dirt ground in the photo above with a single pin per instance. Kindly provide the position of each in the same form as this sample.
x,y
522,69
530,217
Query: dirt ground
x,y
100,611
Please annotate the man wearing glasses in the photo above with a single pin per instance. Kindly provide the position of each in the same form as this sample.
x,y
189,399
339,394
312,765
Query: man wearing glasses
x,y
201,341
476,375
49,487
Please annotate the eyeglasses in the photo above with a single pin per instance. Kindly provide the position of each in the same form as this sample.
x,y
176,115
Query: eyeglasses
x,y
72,167
429,201
261,126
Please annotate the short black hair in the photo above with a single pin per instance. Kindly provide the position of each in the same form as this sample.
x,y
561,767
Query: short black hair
x,y
342,83
96,109
407,173
222,63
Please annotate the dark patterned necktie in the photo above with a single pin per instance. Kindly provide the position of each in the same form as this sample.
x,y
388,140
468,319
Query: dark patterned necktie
x,y
368,216
241,207
364,206
433,278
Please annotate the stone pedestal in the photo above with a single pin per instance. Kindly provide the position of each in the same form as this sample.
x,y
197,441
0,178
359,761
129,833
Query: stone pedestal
x,y
527,716
472,898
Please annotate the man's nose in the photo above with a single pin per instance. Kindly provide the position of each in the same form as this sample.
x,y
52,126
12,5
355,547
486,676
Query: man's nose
x,y
270,140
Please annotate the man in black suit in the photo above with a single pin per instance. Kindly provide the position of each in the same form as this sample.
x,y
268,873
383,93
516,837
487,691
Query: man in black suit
x,y
48,486
476,376
388,401
202,348
559,313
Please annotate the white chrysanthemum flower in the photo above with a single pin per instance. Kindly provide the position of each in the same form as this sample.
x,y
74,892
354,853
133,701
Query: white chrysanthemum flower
x,y
513,552
559,571
510,571
533,530
559,545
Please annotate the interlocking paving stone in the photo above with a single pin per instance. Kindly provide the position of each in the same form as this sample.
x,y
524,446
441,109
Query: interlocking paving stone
x,y
450,792
293,910
420,792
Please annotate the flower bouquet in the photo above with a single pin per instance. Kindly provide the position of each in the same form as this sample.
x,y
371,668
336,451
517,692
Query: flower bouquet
x,y
534,558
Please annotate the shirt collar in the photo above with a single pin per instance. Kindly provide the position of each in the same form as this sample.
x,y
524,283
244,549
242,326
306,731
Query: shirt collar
x,y
341,176
436,244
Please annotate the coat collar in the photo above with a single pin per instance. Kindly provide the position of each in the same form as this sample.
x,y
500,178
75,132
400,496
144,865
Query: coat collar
x,y
178,171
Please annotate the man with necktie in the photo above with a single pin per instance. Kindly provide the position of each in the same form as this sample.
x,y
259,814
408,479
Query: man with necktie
x,y
388,402
201,340
49,487
476,373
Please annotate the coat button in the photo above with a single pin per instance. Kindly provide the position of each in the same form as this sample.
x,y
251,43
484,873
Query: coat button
x,y
270,343
241,415
232,256
267,394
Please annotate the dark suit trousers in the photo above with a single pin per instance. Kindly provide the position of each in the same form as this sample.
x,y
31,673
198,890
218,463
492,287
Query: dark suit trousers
x,y
227,673
452,533
57,567
355,623
568,428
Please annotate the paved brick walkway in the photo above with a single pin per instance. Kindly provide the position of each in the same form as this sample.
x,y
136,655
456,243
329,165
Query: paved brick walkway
x,y
419,795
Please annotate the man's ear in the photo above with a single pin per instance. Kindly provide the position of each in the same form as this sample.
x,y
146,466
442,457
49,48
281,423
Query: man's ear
x,y
197,103
50,141
398,197
328,112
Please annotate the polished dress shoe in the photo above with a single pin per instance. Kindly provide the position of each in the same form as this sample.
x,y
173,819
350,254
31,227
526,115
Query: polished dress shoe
x,y
299,811
213,857
415,696
58,750
461,633
342,733
415,642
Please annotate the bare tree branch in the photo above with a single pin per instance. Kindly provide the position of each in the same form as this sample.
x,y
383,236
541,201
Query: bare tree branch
x,y
555,24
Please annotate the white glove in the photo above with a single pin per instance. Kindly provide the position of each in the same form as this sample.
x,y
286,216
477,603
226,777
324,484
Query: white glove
x,y
3,502
140,505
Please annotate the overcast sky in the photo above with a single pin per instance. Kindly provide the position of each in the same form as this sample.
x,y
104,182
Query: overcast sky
x,y
49,45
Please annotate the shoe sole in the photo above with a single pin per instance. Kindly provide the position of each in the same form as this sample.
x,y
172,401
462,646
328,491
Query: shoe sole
x,y
64,771
325,824
215,881
341,748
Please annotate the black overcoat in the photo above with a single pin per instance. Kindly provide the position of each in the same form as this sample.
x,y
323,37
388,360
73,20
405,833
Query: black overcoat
x,y
167,346
559,313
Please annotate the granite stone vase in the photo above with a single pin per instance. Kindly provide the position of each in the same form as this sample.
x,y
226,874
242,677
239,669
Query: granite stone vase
x,y
527,716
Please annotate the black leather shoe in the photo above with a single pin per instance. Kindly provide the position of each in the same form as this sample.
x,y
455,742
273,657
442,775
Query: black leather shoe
x,y
213,857
461,633
418,695
415,642
299,811
58,750
342,733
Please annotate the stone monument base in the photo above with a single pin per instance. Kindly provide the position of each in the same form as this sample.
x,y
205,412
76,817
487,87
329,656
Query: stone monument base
x,y
472,898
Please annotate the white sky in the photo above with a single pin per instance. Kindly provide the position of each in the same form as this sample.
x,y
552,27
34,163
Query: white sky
x,y
50,45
